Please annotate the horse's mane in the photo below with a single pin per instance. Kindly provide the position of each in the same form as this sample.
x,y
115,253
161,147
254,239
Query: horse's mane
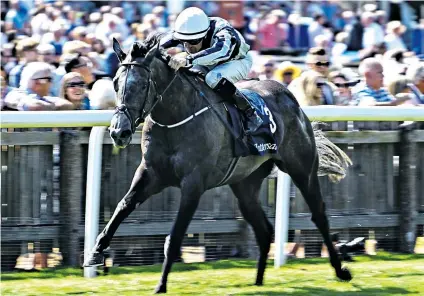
x,y
152,40
140,49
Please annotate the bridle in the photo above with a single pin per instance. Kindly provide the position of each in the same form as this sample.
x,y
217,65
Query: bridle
x,y
122,108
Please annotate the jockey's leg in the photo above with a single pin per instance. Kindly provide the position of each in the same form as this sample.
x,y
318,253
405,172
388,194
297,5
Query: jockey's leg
x,y
222,79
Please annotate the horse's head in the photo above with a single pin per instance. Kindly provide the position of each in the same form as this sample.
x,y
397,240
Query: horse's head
x,y
135,91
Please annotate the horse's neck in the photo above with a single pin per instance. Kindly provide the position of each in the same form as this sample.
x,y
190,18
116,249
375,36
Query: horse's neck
x,y
180,101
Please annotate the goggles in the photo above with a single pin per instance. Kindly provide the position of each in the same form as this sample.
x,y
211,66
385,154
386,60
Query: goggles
x,y
193,41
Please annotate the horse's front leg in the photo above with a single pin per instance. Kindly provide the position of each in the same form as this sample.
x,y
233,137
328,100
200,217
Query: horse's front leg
x,y
191,191
144,184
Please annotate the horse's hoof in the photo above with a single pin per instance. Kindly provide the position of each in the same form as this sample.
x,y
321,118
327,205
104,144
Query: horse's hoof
x,y
94,259
160,289
259,284
344,274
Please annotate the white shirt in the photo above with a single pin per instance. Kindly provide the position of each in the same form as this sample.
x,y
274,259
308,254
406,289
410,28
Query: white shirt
x,y
373,35
394,42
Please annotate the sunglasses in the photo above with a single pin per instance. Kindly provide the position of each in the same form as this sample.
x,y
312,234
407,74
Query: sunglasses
x,y
76,84
193,42
342,85
347,84
288,73
322,64
43,80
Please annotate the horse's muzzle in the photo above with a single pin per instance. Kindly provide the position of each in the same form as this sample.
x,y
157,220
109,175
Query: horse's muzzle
x,y
120,131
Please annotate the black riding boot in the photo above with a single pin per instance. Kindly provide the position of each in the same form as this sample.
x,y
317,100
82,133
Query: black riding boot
x,y
253,119
227,89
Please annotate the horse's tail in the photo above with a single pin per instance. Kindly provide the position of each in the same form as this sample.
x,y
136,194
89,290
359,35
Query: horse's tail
x,y
332,160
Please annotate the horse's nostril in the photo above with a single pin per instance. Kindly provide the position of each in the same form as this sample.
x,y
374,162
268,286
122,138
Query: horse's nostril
x,y
126,134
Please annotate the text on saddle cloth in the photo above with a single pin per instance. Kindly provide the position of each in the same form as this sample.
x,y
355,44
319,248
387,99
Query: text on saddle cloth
x,y
262,141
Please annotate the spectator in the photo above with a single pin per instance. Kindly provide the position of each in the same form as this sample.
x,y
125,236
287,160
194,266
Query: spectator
x,y
356,33
308,89
8,57
126,45
316,28
94,19
17,16
323,41
399,85
56,37
32,94
394,64
370,91
349,19
76,47
340,46
143,30
26,50
79,33
272,32
393,38
47,54
381,18
373,33
73,89
5,89
98,53
268,71
103,95
318,61
342,93
416,74
59,73
81,64
286,72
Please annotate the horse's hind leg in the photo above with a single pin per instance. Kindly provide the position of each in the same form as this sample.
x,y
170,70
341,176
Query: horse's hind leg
x,y
191,191
303,171
144,184
247,193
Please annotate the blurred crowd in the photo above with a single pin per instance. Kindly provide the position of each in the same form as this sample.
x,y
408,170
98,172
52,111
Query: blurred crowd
x,y
57,55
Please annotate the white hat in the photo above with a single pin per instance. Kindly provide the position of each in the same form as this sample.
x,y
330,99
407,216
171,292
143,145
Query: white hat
x,y
102,96
393,25
192,23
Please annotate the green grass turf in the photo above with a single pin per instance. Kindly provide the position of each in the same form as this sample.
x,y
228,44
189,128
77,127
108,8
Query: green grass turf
x,y
384,274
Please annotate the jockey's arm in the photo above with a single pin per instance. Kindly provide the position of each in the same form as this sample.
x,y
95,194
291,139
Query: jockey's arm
x,y
168,41
220,51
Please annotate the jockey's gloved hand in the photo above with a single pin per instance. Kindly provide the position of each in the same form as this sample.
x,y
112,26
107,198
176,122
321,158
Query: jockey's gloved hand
x,y
178,61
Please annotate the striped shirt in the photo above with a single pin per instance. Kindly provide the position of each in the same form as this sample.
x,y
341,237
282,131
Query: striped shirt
x,y
364,95
221,44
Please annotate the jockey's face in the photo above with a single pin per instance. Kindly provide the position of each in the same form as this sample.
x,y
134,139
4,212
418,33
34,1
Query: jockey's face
x,y
193,48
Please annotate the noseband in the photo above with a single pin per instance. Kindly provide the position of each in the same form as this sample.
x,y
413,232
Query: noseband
x,y
122,109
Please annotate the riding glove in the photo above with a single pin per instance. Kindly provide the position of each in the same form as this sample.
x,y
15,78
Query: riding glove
x,y
178,61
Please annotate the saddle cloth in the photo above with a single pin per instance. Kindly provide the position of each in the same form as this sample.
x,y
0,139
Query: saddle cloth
x,y
262,141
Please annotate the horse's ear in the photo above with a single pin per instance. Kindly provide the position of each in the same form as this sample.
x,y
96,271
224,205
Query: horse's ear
x,y
119,52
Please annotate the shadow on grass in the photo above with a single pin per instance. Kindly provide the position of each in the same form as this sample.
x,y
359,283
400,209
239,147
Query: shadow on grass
x,y
302,291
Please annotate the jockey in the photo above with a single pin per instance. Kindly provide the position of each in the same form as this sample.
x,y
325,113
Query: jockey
x,y
213,43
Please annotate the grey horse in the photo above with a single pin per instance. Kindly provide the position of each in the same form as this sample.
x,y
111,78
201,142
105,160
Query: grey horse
x,y
196,154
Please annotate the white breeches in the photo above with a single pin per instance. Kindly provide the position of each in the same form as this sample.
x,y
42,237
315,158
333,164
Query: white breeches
x,y
233,71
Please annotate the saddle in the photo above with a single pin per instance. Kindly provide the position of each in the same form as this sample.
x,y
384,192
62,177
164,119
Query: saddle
x,y
262,141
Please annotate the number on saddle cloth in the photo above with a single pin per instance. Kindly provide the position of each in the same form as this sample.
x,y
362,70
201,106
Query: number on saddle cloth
x,y
263,140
